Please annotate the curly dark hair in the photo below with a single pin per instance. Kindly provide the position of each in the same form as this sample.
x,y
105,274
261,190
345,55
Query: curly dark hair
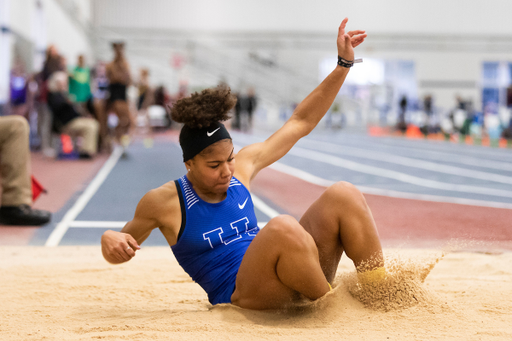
x,y
202,109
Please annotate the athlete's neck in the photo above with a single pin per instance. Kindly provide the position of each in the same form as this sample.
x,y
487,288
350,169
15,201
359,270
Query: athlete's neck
x,y
206,194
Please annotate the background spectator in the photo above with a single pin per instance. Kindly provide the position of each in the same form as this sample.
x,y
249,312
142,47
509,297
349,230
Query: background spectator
x,y
16,186
68,120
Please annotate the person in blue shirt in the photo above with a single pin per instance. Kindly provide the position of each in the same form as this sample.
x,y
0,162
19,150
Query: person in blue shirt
x,y
207,216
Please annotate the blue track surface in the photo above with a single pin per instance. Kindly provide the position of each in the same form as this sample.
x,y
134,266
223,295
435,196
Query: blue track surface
x,y
445,171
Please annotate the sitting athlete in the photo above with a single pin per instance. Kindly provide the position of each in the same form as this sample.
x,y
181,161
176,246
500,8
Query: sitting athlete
x,y
207,216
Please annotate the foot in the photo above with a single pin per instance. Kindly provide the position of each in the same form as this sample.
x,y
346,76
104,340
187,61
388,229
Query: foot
x,y
23,215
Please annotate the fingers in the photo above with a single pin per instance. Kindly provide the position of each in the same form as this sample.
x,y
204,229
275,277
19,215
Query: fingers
x,y
130,252
358,40
122,252
356,32
125,249
122,256
341,30
132,242
131,246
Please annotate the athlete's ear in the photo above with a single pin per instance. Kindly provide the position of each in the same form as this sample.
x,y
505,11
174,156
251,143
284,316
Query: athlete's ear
x,y
188,165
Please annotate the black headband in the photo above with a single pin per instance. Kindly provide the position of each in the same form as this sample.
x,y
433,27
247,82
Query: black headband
x,y
195,140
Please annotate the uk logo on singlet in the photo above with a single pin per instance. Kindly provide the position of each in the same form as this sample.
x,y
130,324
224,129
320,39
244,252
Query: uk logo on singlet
x,y
219,236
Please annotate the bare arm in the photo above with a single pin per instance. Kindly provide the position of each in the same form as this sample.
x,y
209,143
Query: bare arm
x,y
253,158
120,247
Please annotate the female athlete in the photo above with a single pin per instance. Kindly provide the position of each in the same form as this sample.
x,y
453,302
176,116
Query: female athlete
x,y
208,219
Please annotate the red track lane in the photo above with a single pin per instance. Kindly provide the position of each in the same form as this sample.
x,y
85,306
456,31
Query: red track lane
x,y
405,222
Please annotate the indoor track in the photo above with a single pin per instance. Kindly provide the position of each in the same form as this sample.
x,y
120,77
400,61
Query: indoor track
x,y
422,193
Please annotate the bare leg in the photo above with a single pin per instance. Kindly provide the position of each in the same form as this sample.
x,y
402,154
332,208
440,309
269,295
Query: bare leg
x,y
123,113
281,262
286,258
101,116
340,220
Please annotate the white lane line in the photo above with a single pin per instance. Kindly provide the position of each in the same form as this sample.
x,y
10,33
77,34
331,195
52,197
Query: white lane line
x,y
258,203
267,210
402,177
281,167
69,217
434,198
97,224
115,224
462,159
410,162
447,147
437,155
343,163
298,173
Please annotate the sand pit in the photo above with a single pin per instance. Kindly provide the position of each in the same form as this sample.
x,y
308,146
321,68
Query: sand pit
x,y
71,293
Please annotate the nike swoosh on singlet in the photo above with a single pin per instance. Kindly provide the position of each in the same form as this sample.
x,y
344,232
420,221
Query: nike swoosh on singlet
x,y
213,132
243,205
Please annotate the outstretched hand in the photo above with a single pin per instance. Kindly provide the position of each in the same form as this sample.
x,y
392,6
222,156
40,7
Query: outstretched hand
x,y
347,41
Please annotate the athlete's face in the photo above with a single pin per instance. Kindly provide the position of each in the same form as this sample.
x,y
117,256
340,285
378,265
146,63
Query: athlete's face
x,y
210,171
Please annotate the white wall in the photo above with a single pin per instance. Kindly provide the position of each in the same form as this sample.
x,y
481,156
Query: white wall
x,y
5,53
448,40
69,37
65,32
389,16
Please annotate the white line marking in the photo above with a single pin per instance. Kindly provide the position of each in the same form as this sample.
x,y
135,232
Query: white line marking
x,y
267,210
429,151
281,167
434,198
458,158
69,217
84,224
477,152
386,173
377,191
415,163
97,224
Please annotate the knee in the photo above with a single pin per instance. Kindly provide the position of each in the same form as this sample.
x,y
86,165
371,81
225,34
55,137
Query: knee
x,y
346,194
286,230
124,121
95,125
19,125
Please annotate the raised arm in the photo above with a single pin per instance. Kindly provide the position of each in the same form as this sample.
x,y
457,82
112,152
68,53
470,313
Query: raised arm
x,y
251,159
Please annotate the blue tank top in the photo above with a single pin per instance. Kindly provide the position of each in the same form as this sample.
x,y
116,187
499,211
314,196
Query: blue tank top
x,y
213,238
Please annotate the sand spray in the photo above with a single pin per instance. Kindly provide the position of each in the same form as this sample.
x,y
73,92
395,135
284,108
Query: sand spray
x,y
401,286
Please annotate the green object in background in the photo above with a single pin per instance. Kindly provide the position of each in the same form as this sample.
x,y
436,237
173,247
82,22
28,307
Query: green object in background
x,y
79,84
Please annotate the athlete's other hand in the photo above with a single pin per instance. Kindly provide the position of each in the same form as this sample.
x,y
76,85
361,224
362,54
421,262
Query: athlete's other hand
x,y
347,41
118,247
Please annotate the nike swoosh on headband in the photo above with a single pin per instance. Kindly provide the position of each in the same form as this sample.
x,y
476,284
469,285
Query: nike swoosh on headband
x,y
243,205
213,132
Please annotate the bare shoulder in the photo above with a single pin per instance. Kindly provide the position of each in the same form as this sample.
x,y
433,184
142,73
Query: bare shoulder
x,y
158,208
164,197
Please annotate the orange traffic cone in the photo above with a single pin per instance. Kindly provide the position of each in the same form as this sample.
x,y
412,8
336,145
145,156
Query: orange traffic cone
x,y
67,151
